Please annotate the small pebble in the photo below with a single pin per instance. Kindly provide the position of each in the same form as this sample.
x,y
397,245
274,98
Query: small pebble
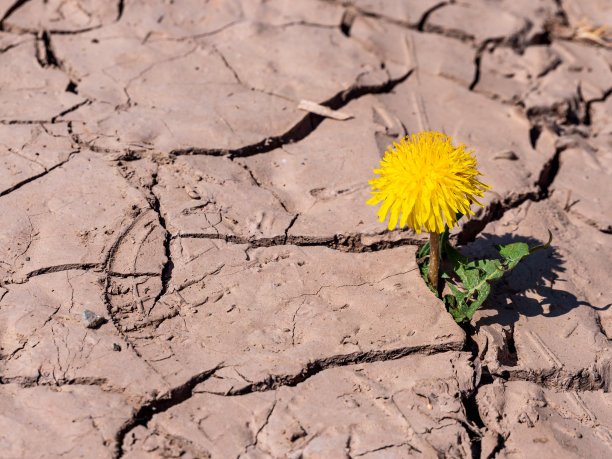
x,y
193,194
91,319
116,347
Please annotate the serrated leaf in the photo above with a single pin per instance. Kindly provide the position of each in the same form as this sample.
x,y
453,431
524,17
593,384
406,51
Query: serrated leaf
x,y
457,315
460,297
512,254
483,292
491,268
456,304
458,293
469,277
477,275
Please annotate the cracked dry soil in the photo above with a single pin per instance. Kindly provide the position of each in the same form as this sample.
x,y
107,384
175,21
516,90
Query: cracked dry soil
x,y
157,171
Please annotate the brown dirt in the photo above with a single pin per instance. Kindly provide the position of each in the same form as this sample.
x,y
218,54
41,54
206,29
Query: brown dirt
x,y
158,172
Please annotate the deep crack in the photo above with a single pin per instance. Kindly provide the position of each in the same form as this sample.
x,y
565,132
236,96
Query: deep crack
x,y
56,269
302,128
315,366
343,242
166,274
146,412
120,8
45,55
421,24
14,7
496,209
558,379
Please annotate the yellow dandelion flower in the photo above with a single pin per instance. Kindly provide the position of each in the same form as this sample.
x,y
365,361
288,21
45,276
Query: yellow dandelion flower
x,y
427,181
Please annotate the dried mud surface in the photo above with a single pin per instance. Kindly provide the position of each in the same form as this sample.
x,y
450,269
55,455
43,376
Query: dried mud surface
x,y
157,171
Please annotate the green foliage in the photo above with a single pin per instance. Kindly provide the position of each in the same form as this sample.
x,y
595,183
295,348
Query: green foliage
x,y
475,275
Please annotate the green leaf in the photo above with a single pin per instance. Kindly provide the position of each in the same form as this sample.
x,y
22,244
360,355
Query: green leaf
x,y
512,254
451,303
457,306
424,272
455,257
476,276
424,251
491,268
483,291
425,269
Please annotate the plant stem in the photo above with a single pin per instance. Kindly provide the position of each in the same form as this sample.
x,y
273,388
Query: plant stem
x,y
434,259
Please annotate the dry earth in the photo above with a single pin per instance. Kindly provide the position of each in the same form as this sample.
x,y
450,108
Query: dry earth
x,y
157,171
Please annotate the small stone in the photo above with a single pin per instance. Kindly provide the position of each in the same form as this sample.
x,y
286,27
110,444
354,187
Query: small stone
x,y
193,194
91,319
116,347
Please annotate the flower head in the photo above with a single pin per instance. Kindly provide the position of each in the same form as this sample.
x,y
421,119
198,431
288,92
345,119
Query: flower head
x,y
427,181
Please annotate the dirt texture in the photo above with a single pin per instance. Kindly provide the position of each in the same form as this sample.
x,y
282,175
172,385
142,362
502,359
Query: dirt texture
x,y
188,267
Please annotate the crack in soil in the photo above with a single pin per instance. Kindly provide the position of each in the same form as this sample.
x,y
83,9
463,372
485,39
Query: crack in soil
x,y
421,24
262,427
166,274
120,8
145,413
302,128
35,381
393,445
37,176
588,108
487,45
558,379
291,223
45,55
273,382
268,189
74,107
14,7
496,209
343,242
41,122
418,25
55,269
